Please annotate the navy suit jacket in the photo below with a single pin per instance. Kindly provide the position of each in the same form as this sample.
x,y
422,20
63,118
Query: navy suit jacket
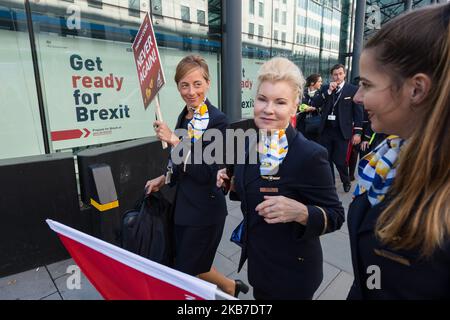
x,y
305,176
198,200
349,114
402,274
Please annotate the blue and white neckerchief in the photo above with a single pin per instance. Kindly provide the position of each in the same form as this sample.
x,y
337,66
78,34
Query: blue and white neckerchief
x,y
273,149
377,170
197,126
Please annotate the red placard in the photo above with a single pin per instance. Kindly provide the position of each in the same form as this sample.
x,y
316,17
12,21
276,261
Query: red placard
x,y
148,63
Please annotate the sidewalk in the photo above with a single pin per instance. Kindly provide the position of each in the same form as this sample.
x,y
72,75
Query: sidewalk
x,y
49,282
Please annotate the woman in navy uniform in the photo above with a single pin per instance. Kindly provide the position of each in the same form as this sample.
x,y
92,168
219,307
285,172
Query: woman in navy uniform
x,y
312,89
288,198
399,220
200,207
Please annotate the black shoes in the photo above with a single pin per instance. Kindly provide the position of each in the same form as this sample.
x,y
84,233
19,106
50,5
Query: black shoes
x,y
347,186
240,287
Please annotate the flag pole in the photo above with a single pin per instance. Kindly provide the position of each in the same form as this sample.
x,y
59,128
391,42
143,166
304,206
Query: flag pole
x,y
159,117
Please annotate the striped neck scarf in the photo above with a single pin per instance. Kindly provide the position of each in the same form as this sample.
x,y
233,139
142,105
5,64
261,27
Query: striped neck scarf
x,y
273,149
377,170
197,126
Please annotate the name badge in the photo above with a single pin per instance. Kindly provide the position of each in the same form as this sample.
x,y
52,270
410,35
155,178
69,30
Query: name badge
x,y
268,190
331,117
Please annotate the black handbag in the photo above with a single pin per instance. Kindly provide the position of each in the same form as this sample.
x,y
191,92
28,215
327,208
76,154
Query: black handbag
x,y
312,123
147,230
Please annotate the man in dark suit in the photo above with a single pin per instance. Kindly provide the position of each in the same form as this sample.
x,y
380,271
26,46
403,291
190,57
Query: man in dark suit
x,y
340,117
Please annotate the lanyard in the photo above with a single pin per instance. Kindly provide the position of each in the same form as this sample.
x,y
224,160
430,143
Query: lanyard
x,y
372,138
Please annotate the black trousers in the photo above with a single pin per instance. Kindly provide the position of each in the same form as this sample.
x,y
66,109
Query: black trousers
x,y
337,146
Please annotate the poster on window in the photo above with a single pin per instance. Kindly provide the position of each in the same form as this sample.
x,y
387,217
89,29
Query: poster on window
x,y
250,68
91,92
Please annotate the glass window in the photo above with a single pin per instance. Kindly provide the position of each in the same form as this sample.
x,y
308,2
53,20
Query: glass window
x,y
277,15
251,30
283,38
302,3
252,59
185,13
275,36
252,7
283,18
134,8
261,9
157,7
90,86
95,3
20,123
260,32
201,16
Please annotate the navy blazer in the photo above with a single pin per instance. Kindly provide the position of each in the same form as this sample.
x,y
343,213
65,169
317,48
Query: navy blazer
x,y
198,200
403,275
350,114
292,267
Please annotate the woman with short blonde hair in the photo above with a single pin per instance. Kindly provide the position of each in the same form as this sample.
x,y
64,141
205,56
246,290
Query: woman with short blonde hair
x,y
288,198
282,69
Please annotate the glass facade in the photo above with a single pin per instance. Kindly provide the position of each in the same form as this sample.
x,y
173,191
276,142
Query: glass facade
x,y
20,120
80,88
306,31
69,78
379,12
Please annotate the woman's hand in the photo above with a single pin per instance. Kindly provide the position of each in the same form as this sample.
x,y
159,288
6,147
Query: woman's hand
x,y
224,181
155,184
279,209
310,109
221,177
164,133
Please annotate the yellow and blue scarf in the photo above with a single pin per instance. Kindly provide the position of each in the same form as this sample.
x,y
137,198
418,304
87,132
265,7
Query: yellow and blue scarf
x,y
197,126
377,170
273,149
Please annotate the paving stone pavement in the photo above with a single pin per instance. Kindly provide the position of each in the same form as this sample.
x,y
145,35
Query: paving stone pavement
x,y
50,282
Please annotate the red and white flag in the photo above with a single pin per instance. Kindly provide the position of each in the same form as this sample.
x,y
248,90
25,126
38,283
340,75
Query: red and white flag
x,y
118,274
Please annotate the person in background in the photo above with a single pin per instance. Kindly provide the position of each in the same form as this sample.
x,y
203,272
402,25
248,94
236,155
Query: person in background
x,y
306,109
288,197
341,121
200,207
399,220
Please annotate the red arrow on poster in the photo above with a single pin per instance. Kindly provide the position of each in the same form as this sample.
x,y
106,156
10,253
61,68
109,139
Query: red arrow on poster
x,y
69,134
87,133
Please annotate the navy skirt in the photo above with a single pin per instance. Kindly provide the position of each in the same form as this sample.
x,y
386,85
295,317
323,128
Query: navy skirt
x,y
195,247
